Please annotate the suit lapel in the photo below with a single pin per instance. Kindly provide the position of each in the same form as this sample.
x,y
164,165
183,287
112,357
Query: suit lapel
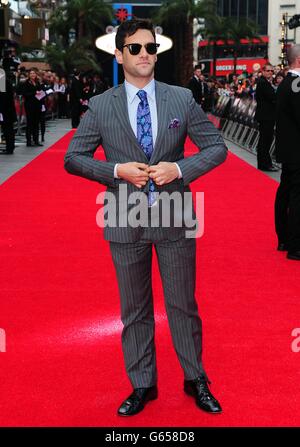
x,y
121,111
161,97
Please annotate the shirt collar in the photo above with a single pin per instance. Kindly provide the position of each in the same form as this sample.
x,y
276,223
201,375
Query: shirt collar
x,y
131,90
295,72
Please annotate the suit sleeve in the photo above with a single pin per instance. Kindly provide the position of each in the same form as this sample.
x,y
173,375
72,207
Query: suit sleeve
x,y
79,159
295,103
265,92
212,149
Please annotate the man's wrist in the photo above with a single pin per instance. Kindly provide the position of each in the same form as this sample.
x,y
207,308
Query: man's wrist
x,y
179,170
116,170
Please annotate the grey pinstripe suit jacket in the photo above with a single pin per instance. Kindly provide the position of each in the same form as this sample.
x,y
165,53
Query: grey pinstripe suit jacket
x,y
107,123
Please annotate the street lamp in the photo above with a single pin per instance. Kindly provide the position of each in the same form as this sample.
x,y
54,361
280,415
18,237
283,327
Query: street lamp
x,y
283,40
3,2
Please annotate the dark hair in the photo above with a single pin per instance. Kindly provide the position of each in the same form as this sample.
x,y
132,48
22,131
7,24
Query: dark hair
x,y
267,65
280,74
130,27
198,67
75,72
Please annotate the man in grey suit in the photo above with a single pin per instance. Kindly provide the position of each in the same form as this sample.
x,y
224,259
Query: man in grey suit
x,y
142,126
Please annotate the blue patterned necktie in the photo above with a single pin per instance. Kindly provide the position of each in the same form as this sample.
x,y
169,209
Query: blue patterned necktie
x,y
144,137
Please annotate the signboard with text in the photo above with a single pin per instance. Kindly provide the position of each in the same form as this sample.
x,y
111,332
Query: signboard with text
x,y
225,67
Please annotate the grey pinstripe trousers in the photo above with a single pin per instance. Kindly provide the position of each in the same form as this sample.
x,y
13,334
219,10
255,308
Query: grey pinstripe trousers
x,y
177,265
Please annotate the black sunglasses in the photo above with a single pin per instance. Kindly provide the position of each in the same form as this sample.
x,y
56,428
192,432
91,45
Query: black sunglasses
x,y
135,48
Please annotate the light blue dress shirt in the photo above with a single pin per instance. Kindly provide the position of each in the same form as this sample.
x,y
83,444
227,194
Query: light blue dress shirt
x,y
132,105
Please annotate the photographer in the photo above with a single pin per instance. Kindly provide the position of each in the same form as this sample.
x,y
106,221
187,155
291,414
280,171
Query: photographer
x,y
8,116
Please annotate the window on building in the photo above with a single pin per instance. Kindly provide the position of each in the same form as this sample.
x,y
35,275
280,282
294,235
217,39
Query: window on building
x,y
263,16
243,7
252,10
220,7
234,8
226,8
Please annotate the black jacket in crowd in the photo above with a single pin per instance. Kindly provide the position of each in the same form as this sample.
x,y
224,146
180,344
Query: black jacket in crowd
x,y
28,90
266,100
75,92
199,90
7,104
288,120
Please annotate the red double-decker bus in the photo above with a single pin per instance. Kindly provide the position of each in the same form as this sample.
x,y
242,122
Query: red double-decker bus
x,y
251,56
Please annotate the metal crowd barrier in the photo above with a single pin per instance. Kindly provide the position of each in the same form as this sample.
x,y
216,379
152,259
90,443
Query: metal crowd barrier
x,y
238,124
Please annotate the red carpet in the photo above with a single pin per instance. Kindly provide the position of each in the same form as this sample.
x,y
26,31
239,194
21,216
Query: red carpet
x,y
63,364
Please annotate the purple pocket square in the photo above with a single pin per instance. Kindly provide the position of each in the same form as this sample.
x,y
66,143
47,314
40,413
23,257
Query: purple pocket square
x,y
174,123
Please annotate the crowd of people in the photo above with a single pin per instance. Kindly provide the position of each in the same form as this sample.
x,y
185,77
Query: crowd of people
x,y
260,86
37,93
277,115
207,90
31,95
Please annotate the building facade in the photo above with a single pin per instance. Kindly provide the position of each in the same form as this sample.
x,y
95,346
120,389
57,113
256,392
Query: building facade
x,y
254,10
289,8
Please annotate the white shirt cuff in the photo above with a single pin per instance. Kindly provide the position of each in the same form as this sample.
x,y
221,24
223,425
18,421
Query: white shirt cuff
x,y
115,170
179,171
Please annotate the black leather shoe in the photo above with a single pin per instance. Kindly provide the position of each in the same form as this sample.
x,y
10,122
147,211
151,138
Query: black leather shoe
x,y
295,255
268,168
137,400
281,246
38,144
198,388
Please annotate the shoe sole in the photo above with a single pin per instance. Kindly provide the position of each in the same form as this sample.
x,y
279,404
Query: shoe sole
x,y
190,393
294,258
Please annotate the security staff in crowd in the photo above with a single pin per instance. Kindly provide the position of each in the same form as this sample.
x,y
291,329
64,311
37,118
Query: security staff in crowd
x,y
31,89
265,115
198,86
75,97
8,116
287,203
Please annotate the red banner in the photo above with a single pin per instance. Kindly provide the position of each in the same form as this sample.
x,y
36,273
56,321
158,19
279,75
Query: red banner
x,y
226,66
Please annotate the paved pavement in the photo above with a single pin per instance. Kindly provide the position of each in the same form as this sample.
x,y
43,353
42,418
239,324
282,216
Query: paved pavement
x,y
9,164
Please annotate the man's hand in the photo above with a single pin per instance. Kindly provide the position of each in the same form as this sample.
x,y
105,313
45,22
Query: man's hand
x,y
134,172
164,172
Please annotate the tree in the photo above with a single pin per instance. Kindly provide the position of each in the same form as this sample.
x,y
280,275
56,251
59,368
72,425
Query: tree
x,y
228,30
78,55
178,16
60,25
88,17
238,31
216,28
